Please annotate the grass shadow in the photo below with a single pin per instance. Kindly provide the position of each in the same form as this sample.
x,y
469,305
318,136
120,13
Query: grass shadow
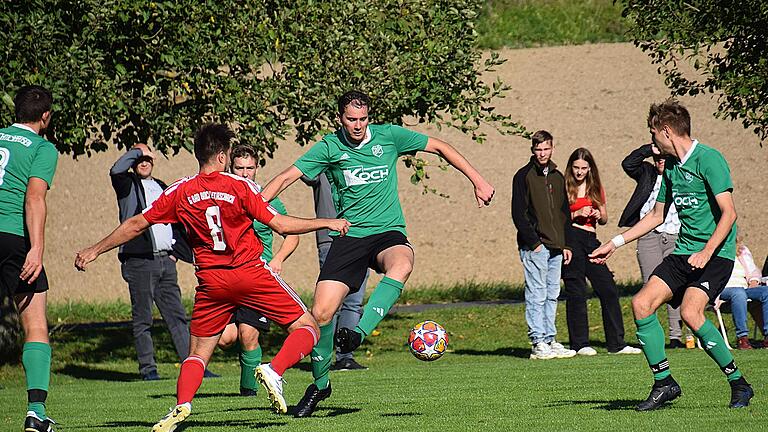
x,y
606,405
402,414
506,352
238,424
89,373
332,411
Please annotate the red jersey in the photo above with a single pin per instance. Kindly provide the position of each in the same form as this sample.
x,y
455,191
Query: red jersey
x,y
217,210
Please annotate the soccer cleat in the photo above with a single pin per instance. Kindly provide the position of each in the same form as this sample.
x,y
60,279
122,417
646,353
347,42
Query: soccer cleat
x,y
312,397
171,420
741,393
628,350
560,351
347,365
675,344
247,392
208,374
273,383
151,376
542,351
33,423
586,351
347,340
660,394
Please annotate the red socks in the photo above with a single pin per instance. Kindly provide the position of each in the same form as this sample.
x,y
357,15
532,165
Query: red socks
x,y
296,346
190,378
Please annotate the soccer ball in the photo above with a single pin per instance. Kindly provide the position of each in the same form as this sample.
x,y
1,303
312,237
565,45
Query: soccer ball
x,y
428,341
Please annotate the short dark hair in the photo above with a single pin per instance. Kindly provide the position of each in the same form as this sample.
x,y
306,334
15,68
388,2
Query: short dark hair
x,y
245,151
31,102
212,139
540,137
355,97
670,113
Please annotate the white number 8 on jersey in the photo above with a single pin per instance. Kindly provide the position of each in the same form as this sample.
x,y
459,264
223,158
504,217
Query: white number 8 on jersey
x,y
213,216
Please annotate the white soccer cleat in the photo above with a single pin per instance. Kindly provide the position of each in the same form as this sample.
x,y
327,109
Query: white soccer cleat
x,y
629,350
586,351
173,418
542,351
273,383
561,351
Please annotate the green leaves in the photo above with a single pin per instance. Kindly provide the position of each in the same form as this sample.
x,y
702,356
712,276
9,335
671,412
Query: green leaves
x,y
725,44
127,71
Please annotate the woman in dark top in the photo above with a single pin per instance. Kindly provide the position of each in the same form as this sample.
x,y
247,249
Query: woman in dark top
x,y
588,209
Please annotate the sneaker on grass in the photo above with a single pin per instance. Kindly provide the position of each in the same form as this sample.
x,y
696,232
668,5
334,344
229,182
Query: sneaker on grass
x,y
273,383
586,351
628,350
33,423
542,351
561,351
171,420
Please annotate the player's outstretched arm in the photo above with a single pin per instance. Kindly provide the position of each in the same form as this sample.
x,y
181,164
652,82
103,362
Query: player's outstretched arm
x,y
287,225
650,221
124,233
280,182
483,190
724,225
35,210
290,243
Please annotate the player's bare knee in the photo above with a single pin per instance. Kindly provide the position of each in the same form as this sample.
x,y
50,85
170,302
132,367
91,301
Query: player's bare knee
x,y
641,307
306,320
692,315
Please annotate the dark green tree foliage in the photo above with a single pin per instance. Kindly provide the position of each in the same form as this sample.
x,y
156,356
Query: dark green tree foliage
x,y
725,43
129,70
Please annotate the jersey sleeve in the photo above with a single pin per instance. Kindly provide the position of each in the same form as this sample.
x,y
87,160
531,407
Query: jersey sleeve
x,y
408,141
44,166
314,161
254,204
278,205
163,210
715,170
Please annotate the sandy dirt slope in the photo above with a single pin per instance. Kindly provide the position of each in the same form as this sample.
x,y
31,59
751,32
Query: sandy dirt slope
x,y
595,96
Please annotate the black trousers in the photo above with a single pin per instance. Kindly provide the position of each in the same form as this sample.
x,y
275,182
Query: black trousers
x,y
575,276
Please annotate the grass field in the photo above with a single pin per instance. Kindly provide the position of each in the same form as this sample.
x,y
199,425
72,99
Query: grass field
x,y
486,381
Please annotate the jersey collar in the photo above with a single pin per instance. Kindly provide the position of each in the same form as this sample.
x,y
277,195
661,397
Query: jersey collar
x,y
690,152
365,140
25,127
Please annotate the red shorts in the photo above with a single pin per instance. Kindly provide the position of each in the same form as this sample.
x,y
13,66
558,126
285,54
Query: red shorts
x,y
254,285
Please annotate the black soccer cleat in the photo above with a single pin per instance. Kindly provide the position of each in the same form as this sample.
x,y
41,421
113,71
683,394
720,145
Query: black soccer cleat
x,y
347,340
312,397
247,392
347,365
33,423
660,394
741,393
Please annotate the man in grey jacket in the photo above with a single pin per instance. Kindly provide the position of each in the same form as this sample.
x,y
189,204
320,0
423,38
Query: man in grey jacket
x,y
148,263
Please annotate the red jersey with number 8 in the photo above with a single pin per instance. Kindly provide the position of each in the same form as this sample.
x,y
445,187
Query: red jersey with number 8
x,y
217,210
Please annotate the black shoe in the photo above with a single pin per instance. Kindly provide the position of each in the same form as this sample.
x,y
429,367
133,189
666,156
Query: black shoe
x,y
151,376
660,394
247,392
209,374
741,393
675,343
347,340
347,365
33,424
312,397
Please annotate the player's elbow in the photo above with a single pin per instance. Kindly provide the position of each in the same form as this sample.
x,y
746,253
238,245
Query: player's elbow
x,y
278,225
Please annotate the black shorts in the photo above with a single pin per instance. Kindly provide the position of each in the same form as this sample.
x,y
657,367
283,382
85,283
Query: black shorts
x,y
349,258
252,317
675,271
13,253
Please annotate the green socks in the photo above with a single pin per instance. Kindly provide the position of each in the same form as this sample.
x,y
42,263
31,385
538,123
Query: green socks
x,y
321,356
36,358
651,337
384,296
249,360
714,345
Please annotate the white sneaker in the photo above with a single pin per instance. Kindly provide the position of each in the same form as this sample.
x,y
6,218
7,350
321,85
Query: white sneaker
x,y
542,351
171,420
273,383
561,351
629,350
586,351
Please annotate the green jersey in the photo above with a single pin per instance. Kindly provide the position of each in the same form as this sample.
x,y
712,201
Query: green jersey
x,y
364,175
692,185
23,154
265,233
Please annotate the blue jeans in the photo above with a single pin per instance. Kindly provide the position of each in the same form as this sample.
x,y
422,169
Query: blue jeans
x,y
542,287
738,297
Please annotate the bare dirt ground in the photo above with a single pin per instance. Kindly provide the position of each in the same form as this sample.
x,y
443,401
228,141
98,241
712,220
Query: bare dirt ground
x,y
595,96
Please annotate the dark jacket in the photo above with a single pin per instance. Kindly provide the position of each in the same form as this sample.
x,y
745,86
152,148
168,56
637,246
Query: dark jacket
x,y
644,173
130,202
540,208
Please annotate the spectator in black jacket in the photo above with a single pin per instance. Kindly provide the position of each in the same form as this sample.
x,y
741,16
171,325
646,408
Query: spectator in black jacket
x,y
660,242
148,263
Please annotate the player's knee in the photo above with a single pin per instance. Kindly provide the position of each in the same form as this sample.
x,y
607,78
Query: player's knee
x,y
692,316
641,307
226,341
323,315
